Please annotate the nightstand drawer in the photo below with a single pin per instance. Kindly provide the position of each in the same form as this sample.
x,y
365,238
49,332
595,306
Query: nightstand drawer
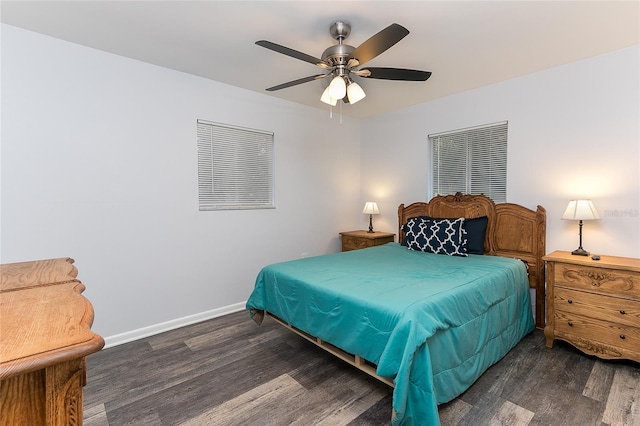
x,y
621,311
599,280
602,334
354,243
355,240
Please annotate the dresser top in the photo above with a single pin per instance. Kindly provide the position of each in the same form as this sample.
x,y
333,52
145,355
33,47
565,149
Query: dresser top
x,y
44,319
16,276
625,263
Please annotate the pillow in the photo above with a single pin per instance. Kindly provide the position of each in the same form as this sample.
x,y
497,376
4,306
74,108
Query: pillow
x,y
411,221
476,229
439,236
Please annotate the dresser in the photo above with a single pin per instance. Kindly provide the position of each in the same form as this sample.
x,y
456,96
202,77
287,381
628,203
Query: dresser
x,y
355,240
594,304
45,335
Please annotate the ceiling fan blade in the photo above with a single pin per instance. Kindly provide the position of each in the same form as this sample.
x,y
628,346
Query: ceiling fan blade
x,y
296,82
394,74
293,53
379,43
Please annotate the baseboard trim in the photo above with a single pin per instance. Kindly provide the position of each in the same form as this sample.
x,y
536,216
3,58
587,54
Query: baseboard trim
x,y
140,333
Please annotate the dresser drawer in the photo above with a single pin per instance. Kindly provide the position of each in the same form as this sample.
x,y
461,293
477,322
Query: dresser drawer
x,y
600,280
622,311
604,337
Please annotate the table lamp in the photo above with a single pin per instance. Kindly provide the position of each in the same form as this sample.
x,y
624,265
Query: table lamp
x,y
580,210
370,208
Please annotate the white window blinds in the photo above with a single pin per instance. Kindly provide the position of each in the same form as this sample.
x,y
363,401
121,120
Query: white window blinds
x,y
235,167
471,161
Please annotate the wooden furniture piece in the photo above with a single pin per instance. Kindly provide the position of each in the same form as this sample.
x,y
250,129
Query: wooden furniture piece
x,y
512,231
45,336
355,240
594,304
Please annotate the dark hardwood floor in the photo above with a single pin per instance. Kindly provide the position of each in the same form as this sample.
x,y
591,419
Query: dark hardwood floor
x,y
230,371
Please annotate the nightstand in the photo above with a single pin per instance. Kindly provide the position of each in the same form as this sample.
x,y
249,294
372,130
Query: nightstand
x,y
354,240
594,304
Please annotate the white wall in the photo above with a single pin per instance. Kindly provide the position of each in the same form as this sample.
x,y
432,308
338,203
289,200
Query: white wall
x,y
99,163
574,132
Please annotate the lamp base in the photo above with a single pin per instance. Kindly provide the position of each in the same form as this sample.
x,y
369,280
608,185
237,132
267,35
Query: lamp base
x,y
580,252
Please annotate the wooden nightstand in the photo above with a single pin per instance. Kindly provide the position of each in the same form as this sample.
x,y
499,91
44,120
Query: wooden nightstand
x,y
594,304
354,240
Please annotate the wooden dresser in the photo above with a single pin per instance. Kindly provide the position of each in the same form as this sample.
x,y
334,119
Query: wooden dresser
x,y
594,304
45,335
354,240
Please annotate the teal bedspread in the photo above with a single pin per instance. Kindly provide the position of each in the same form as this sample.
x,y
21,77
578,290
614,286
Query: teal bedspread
x,y
432,323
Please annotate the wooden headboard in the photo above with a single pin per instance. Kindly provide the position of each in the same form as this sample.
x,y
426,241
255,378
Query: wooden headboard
x,y
512,231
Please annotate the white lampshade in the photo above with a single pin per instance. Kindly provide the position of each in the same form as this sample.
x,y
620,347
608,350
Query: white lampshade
x,y
355,92
580,210
327,99
338,87
371,208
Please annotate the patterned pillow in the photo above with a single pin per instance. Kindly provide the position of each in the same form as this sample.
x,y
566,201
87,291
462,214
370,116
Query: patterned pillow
x,y
440,236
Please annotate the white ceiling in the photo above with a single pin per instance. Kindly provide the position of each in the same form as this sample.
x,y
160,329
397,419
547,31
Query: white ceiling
x,y
466,44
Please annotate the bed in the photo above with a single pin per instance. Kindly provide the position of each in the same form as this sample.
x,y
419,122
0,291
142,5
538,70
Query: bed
x,y
427,314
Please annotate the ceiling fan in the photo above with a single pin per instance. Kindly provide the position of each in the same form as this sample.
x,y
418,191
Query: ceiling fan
x,y
342,62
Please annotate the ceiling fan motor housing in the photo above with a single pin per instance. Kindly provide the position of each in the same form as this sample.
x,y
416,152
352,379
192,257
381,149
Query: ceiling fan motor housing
x,y
337,55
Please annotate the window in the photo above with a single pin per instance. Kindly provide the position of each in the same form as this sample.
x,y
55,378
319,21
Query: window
x,y
235,167
471,161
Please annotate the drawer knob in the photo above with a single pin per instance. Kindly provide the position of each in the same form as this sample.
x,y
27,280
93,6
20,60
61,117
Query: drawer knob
x,y
622,336
569,301
570,323
622,311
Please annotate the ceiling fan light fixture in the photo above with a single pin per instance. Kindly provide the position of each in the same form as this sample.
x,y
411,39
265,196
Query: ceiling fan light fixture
x,y
355,92
338,87
327,99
